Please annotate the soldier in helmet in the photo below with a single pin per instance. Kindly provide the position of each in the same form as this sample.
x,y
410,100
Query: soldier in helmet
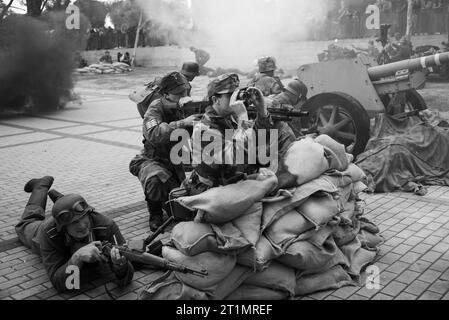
x,y
152,91
225,114
71,237
294,93
266,81
157,174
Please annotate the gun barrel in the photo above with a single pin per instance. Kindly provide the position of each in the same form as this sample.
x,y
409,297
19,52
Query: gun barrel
x,y
377,72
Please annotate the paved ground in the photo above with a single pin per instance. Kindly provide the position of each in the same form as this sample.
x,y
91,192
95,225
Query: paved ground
x,y
88,147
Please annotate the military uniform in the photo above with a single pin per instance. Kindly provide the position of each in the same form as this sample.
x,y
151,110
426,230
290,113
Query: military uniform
x,y
224,167
157,174
268,84
45,238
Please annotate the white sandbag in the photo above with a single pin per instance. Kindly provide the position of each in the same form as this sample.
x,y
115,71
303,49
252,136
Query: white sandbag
x,y
226,203
249,292
218,266
192,238
303,255
333,278
288,227
259,257
304,160
359,186
335,152
319,209
355,172
168,287
274,210
276,276
234,280
95,65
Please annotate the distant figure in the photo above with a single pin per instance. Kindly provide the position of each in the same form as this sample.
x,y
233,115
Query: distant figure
x,y
202,57
106,58
126,59
80,62
371,51
119,56
266,81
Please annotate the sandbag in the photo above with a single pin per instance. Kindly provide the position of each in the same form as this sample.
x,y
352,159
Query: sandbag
x,y
249,223
274,210
192,238
334,151
249,292
370,241
226,203
319,209
358,257
168,287
333,278
238,275
303,255
288,227
346,232
359,186
259,257
303,161
276,276
218,266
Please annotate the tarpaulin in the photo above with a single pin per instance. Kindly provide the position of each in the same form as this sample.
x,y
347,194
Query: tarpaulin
x,y
405,153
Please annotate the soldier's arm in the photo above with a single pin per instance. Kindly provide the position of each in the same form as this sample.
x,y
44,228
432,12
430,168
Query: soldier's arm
x,y
124,274
56,263
155,129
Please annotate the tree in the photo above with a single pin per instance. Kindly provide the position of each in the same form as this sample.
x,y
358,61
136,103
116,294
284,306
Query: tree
x,y
35,7
4,7
94,10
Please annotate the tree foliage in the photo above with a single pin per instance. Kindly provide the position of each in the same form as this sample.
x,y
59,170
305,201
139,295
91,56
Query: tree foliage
x,y
124,14
94,10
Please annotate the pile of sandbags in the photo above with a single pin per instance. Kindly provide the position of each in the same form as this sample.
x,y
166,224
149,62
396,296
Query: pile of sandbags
x,y
259,242
105,68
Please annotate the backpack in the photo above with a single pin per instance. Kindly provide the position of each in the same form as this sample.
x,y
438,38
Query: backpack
x,y
144,97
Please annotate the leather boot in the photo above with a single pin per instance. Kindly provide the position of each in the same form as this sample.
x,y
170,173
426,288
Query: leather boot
x,y
39,189
156,215
54,195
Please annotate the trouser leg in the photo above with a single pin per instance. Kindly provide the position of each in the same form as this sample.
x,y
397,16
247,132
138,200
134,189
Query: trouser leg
x,y
34,214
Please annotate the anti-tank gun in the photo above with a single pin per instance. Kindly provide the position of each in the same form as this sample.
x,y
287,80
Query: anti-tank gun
x,y
345,94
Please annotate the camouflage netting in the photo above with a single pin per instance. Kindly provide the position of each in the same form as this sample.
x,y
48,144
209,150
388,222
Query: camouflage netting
x,y
261,242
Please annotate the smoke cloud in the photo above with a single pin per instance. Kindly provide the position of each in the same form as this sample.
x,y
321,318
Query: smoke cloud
x,y
236,32
36,62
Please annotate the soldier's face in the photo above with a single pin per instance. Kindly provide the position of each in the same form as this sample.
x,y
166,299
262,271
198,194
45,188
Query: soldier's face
x,y
222,104
79,229
173,98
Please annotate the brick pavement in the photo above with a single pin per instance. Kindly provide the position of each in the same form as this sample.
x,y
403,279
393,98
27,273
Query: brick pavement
x,y
89,152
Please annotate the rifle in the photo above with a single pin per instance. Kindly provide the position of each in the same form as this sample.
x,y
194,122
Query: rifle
x,y
195,107
148,259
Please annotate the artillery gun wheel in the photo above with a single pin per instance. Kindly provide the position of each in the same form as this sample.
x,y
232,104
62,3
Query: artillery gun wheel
x,y
414,101
341,117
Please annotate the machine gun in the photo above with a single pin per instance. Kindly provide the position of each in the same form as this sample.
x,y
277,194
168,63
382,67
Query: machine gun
x,y
281,112
147,259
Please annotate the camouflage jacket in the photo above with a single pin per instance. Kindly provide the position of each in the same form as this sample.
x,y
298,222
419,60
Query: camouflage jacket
x,y
233,156
268,85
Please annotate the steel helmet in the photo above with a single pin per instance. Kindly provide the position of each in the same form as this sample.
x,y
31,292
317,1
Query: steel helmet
x,y
297,87
266,64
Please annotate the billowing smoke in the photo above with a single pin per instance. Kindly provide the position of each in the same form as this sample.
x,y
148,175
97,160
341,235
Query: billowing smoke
x,y
36,62
239,31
